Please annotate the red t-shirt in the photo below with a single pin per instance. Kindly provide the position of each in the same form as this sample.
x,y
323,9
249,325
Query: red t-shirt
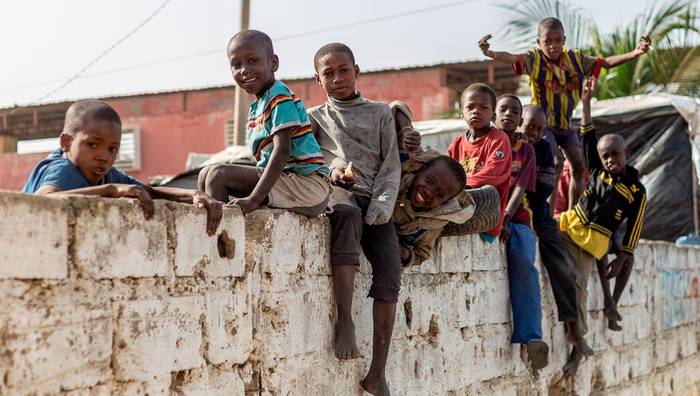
x,y
524,174
486,161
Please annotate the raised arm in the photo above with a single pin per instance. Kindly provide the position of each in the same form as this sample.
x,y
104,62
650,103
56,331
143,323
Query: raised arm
x,y
589,140
500,56
616,60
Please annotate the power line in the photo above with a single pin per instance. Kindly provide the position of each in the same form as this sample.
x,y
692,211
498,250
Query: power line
x,y
221,51
105,52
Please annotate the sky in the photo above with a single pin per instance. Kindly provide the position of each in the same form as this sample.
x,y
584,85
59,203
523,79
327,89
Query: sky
x,y
46,42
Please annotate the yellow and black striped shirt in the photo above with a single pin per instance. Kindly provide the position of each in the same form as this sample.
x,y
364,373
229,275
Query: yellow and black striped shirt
x,y
610,199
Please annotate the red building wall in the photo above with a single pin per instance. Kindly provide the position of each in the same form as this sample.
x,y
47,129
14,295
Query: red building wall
x,y
174,124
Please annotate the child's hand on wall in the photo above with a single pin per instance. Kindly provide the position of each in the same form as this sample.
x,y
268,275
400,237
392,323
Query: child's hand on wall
x,y
138,192
213,208
247,204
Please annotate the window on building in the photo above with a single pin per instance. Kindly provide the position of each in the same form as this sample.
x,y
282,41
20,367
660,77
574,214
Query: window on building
x,y
129,158
229,132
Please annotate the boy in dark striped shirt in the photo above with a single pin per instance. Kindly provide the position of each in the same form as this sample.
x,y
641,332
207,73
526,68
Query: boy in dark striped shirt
x,y
556,76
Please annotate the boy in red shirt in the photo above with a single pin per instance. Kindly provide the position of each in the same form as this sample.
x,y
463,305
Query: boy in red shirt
x,y
483,151
517,233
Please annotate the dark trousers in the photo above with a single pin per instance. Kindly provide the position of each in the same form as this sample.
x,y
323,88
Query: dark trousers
x,y
560,269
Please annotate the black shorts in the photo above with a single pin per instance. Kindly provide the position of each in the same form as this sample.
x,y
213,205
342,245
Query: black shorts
x,y
379,243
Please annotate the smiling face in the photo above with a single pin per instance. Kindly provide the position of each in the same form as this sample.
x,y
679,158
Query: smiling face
x,y
253,68
508,114
612,153
477,110
533,126
93,148
433,186
337,74
551,42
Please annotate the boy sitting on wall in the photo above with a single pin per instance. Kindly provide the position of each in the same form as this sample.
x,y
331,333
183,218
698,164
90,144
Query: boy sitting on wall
x,y
83,165
353,129
614,193
289,172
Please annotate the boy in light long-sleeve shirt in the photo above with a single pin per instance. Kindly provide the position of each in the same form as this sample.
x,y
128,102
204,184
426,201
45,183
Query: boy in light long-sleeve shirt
x,y
350,128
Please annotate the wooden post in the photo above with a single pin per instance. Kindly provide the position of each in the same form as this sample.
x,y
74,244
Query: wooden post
x,y
240,102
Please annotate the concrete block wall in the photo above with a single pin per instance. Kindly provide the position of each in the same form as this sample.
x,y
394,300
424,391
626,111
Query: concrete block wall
x,y
99,301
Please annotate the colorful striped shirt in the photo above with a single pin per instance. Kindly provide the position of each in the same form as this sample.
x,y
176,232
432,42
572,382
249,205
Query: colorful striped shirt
x,y
280,109
555,85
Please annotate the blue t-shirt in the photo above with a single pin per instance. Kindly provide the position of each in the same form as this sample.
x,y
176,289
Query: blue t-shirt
x,y
58,171
278,109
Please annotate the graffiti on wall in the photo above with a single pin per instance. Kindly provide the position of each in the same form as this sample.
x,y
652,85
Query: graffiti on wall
x,y
677,290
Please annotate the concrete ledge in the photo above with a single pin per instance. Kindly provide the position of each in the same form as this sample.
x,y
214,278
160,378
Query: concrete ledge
x,y
99,301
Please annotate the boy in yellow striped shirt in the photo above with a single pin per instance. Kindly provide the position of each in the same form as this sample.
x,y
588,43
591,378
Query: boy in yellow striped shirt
x,y
556,76
614,194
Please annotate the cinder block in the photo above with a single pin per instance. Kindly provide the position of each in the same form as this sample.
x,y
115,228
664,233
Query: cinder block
x,y
220,255
155,337
34,234
454,254
114,240
208,381
229,327
46,349
284,242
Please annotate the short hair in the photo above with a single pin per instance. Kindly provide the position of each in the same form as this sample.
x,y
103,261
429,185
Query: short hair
x,y
480,88
85,110
613,138
454,166
511,96
534,109
549,23
257,37
333,48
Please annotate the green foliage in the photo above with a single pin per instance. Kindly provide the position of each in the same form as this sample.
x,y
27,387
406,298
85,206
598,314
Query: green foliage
x,y
672,66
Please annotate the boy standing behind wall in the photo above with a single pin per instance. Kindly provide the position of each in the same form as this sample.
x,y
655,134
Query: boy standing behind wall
x,y
556,82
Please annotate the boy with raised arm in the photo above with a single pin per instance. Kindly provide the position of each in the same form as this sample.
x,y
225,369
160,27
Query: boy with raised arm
x,y
556,76
614,193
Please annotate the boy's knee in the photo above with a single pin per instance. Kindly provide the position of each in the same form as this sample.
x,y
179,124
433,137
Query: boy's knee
x,y
344,215
202,177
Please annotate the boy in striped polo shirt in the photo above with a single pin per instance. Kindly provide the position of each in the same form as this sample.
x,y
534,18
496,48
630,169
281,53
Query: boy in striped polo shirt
x,y
556,76
290,173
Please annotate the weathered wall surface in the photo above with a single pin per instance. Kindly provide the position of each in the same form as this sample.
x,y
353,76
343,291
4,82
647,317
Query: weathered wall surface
x,y
98,301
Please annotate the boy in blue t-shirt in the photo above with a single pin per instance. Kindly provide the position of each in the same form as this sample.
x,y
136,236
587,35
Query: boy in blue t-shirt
x,y
290,173
83,165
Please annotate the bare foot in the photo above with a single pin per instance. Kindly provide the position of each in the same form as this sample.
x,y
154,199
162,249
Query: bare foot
x,y
571,366
345,344
614,326
612,313
376,386
575,338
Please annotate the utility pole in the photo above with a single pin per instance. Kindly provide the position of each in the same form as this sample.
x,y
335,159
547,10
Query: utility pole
x,y
240,99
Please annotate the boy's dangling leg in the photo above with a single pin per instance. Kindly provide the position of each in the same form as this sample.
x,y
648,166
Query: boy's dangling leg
x,y
381,247
346,230
525,294
343,286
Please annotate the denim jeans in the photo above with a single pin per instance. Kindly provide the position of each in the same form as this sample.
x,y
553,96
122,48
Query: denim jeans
x,y
525,294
